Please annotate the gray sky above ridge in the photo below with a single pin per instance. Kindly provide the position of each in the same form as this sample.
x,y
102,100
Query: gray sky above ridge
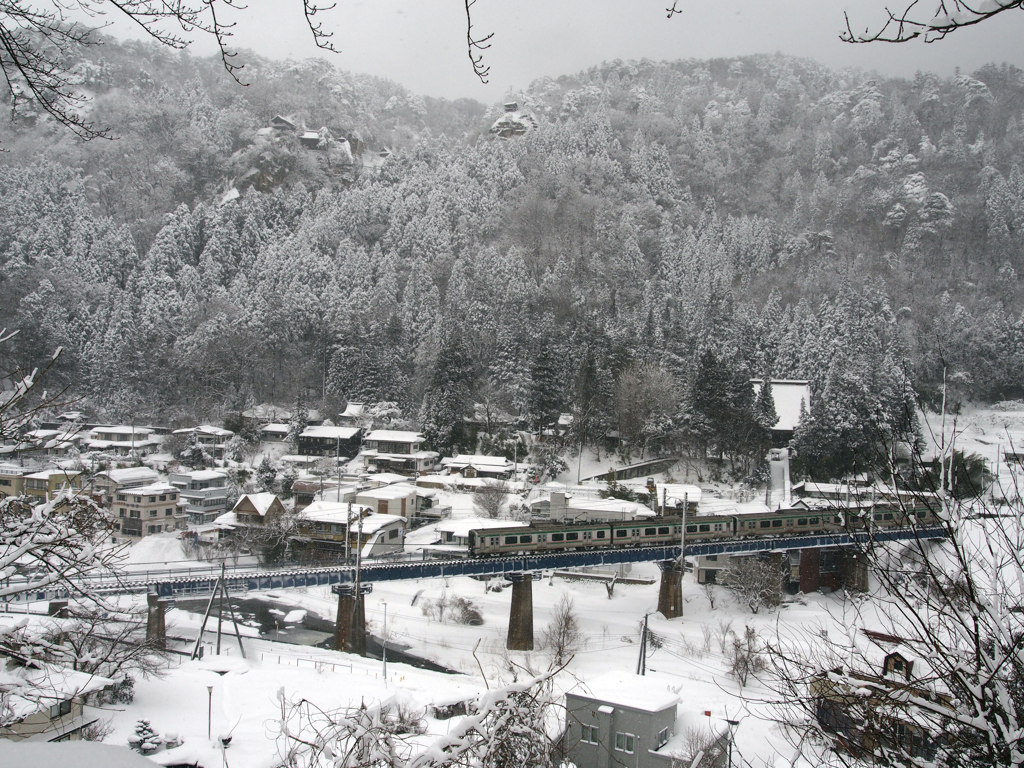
x,y
423,45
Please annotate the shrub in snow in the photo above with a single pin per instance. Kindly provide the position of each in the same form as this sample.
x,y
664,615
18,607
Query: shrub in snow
x,y
145,740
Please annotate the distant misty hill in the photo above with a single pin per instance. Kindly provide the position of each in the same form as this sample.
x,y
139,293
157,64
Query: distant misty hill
x,y
853,230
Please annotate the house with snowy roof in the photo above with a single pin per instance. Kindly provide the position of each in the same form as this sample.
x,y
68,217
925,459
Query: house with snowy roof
x,y
791,397
212,438
108,482
398,499
866,710
122,440
388,450
353,414
328,525
47,484
475,465
251,509
567,508
619,719
45,702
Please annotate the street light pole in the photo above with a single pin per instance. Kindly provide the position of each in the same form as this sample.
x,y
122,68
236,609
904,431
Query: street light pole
x,y
209,711
732,733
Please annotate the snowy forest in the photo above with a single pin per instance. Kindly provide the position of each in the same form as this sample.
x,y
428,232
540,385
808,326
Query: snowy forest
x,y
666,232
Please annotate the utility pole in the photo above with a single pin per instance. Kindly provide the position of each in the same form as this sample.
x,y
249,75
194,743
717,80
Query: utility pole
x,y
384,641
641,662
337,461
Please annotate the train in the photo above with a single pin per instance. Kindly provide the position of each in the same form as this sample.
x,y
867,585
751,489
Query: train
x,y
550,536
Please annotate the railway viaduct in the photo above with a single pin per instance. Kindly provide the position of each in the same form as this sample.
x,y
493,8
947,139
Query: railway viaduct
x,y
520,569
350,626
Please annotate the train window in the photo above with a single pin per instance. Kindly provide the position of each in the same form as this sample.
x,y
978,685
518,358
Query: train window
x,y
525,539
691,529
887,516
663,531
776,523
766,523
572,536
921,513
712,558
558,537
718,526
837,520
600,534
511,539
621,533
812,521
704,528
650,531
675,529
878,516
636,531
494,540
801,521
541,537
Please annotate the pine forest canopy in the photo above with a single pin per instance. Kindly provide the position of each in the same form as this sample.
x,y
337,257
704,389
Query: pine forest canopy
x,y
857,231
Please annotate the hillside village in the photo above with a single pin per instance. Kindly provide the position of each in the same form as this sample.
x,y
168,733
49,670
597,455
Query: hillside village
x,y
662,415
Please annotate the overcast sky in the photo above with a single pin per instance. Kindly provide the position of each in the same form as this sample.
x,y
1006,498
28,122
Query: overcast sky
x,y
422,44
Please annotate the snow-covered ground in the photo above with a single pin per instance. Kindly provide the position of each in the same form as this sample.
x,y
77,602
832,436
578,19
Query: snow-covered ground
x,y
245,694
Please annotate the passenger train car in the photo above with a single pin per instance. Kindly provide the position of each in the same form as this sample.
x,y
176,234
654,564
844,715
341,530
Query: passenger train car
x,y
541,537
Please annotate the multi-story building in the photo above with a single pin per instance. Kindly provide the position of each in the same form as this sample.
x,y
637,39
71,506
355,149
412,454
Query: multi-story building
x,y
12,480
389,450
149,509
45,485
107,483
205,494
329,441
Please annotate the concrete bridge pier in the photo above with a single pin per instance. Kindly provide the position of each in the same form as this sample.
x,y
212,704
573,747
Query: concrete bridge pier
x,y
520,620
670,596
156,623
350,624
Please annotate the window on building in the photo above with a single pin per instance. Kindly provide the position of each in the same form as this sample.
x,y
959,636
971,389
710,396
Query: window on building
x,y
134,513
120,513
168,512
60,709
663,737
153,512
624,742
393,533
163,498
122,497
589,734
